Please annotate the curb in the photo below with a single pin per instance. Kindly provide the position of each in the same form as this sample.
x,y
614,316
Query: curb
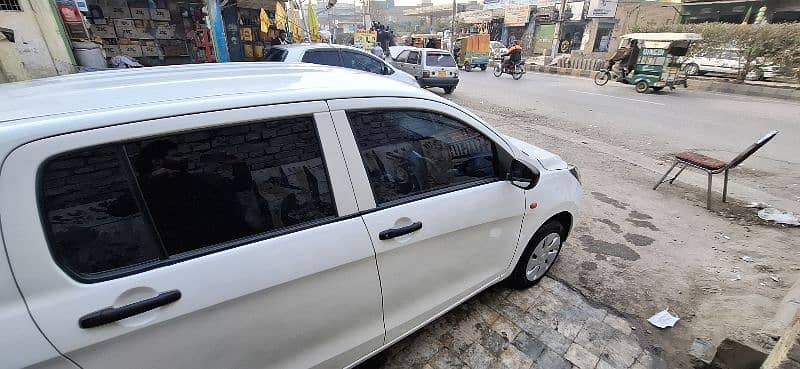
x,y
694,84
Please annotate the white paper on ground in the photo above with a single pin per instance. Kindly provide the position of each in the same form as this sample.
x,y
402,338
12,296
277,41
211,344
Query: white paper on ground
x,y
663,319
778,216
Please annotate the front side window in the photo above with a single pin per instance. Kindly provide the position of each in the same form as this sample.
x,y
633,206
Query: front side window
x,y
413,57
402,57
276,54
133,203
362,62
323,57
409,152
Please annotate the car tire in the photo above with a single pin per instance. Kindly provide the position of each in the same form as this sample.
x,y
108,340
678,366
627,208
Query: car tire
x,y
539,255
692,69
641,87
448,90
483,67
467,67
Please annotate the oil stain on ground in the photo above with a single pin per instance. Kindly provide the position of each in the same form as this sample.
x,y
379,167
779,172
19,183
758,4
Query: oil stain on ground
x,y
605,248
614,226
638,240
643,224
613,202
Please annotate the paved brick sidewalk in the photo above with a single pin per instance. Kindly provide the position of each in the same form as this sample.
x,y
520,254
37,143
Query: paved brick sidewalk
x,y
548,326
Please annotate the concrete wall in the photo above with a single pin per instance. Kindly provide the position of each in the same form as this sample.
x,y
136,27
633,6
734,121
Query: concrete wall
x,y
39,40
631,15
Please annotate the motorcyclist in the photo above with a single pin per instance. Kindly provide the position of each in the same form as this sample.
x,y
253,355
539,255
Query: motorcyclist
x,y
514,55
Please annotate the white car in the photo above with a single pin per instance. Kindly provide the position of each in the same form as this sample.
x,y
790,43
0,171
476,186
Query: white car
x,y
431,67
727,61
255,215
337,56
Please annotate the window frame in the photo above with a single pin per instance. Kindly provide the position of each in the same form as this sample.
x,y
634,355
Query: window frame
x,y
202,121
503,152
319,50
418,54
401,58
365,55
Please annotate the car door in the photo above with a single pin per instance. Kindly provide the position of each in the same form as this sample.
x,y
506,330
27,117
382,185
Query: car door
x,y
413,64
196,241
323,57
428,182
400,61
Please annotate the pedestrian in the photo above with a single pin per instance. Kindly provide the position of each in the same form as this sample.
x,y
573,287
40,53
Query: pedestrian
x,y
633,57
281,39
377,50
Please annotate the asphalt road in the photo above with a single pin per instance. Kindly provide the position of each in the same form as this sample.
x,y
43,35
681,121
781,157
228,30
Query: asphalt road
x,y
655,124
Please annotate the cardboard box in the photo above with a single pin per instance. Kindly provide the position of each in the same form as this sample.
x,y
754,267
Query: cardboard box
x,y
164,31
124,28
104,31
151,51
111,50
175,50
159,14
116,12
246,34
143,34
140,13
131,50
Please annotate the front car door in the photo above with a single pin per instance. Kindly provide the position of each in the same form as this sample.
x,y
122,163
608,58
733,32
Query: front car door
x,y
429,181
400,61
413,64
221,221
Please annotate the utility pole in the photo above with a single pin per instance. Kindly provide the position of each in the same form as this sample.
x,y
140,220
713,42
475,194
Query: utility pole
x,y
559,25
453,25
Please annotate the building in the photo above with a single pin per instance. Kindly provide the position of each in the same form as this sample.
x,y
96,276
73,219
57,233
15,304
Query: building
x,y
32,41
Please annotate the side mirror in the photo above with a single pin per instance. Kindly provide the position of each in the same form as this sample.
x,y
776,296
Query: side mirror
x,y
387,70
522,176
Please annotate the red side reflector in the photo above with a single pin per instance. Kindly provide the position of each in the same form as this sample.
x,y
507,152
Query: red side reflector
x,y
534,205
426,74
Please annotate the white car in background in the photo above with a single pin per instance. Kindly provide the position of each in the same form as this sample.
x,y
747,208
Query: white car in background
x,y
255,215
337,56
727,61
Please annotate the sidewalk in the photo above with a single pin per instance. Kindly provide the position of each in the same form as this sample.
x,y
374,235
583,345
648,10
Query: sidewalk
x,y
747,89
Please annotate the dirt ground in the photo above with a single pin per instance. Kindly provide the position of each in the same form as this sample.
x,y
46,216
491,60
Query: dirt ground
x,y
639,251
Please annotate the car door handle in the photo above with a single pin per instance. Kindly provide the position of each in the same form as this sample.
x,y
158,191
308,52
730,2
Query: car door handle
x,y
399,231
112,314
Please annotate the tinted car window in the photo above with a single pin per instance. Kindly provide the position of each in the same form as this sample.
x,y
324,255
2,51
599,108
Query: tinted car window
x,y
413,57
324,57
362,62
409,152
135,203
439,60
402,57
276,54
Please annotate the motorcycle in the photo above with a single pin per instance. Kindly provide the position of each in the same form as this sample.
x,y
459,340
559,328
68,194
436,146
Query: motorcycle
x,y
516,70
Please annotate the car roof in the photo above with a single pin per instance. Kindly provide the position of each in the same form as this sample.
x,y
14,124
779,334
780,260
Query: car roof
x,y
141,88
316,46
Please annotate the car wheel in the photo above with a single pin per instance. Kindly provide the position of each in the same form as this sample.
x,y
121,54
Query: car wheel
x,y
539,256
467,67
448,90
483,67
641,87
692,69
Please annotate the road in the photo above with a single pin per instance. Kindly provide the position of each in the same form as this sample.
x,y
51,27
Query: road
x,y
719,125
636,251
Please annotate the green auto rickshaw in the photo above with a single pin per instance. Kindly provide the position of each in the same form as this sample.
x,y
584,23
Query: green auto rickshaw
x,y
472,52
657,65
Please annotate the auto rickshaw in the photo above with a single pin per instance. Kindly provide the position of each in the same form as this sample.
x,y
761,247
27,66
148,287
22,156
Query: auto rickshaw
x,y
657,65
472,52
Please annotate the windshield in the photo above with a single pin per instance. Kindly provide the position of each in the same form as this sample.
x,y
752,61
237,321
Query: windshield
x,y
276,54
440,60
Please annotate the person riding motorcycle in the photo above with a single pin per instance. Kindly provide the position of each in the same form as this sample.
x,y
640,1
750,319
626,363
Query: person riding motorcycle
x,y
514,55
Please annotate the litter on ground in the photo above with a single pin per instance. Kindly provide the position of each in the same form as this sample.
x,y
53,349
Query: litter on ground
x,y
778,216
747,259
663,319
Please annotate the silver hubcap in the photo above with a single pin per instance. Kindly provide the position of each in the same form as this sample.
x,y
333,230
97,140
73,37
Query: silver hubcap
x,y
543,256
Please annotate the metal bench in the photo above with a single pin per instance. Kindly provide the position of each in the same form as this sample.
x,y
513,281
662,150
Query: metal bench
x,y
713,166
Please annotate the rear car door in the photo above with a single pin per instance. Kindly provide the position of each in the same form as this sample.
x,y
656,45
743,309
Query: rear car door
x,y
323,56
196,241
428,183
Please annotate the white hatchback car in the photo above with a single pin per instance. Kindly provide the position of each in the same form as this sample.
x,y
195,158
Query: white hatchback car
x,y
252,215
337,56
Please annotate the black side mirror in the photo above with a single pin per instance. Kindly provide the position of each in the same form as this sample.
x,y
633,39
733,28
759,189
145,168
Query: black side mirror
x,y
387,70
522,176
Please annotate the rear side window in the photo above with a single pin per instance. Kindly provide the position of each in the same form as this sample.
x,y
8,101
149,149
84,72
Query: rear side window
x,y
408,152
122,206
276,54
439,60
326,57
363,62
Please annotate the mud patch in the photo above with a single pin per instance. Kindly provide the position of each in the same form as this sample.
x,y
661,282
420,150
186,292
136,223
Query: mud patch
x,y
613,202
638,240
614,226
637,215
588,265
643,224
605,248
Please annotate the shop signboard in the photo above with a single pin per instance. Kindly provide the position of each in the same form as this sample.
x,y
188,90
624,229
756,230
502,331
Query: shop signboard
x,y
602,9
69,11
516,15
576,10
363,39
